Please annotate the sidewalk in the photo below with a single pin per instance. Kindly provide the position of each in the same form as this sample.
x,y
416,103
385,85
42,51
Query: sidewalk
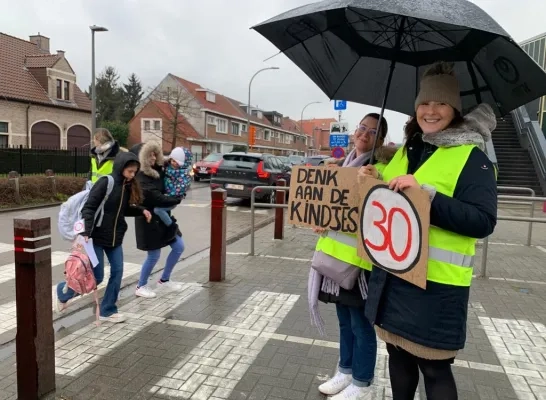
x,y
250,337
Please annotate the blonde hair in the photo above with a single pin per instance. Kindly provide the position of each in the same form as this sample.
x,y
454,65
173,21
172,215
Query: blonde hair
x,y
103,135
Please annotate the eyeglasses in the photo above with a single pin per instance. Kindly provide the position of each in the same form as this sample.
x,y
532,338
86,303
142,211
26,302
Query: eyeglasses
x,y
363,129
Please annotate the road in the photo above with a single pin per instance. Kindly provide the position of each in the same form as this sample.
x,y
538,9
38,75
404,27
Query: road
x,y
193,216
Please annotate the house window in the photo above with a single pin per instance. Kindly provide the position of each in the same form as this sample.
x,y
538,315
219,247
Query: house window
x,y
66,90
146,125
4,134
157,125
281,137
211,120
267,134
59,89
288,139
221,125
235,129
210,97
243,127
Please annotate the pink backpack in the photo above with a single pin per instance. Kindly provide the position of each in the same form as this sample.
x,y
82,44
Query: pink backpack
x,y
79,275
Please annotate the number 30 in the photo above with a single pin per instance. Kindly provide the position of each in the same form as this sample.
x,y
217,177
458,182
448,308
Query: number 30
x,y
387,218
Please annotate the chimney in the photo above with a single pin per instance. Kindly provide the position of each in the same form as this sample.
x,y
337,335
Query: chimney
x,y
60,53
41,41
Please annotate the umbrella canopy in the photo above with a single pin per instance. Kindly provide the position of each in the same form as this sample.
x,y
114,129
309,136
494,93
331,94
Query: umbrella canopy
x,y
348,47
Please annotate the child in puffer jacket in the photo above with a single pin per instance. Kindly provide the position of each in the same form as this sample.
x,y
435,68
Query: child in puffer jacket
x,y
177,179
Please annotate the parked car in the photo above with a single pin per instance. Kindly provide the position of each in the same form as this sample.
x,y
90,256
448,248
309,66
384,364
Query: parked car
x,y
296,160
207,167
315,161
239,173
285,161
287,174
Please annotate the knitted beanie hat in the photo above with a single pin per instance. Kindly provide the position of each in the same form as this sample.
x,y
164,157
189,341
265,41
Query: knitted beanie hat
x,y
178,155
440,84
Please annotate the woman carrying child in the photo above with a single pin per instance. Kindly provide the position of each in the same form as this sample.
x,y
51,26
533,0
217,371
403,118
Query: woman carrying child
x,y
152,237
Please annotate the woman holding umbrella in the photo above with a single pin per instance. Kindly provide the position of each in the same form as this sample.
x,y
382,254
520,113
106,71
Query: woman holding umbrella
x,y
443,154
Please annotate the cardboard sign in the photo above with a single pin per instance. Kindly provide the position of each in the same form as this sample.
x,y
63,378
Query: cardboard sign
x,y
393,232
392,227
324,197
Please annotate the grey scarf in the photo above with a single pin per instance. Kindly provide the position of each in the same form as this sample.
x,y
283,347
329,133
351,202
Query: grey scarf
x,y
318,282
104,150
475,129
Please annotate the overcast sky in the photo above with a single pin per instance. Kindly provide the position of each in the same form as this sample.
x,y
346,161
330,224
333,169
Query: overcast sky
x,y
208,42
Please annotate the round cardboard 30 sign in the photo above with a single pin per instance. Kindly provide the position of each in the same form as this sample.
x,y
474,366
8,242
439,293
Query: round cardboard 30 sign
x,y
391,230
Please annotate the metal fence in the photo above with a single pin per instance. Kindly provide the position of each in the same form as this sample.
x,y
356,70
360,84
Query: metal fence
x,y
36,161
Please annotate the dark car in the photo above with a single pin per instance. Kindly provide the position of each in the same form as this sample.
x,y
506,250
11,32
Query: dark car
x,y
207,167
239,173
315,161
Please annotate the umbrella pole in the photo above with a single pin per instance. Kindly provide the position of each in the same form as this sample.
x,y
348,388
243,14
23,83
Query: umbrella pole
x,y
383,106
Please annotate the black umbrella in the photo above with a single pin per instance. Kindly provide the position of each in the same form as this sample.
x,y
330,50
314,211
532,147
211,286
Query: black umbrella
x,y
364,50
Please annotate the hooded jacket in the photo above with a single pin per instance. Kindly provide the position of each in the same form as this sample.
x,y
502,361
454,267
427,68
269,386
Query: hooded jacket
x,y
436,317
154,235
116,208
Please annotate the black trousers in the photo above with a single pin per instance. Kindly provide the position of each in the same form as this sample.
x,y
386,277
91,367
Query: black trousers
x,y
404,373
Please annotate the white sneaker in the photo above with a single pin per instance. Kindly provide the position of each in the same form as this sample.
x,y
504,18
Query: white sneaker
x,y
335,385
353,392
60,307
145,291
169,285
114,318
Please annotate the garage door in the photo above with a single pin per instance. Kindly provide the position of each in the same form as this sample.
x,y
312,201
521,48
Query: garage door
x,y
46,135
78,136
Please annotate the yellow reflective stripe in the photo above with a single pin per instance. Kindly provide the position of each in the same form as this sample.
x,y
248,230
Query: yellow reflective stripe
x,y
341,251
449,274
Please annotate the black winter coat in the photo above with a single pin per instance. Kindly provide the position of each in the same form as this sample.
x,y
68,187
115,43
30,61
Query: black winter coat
x,y
116,208
436,317
154,235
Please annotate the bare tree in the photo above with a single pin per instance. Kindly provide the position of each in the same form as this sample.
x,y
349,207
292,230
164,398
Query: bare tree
x,y
183,107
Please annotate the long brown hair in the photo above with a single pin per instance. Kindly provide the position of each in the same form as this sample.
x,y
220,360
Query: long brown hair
x,y
412,127
136,189
383,126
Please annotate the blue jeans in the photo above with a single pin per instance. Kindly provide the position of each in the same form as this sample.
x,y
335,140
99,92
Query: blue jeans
x,y
357,345
163,214
115,257
177,248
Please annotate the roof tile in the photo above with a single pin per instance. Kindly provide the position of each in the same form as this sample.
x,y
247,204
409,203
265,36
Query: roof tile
x,y
18,83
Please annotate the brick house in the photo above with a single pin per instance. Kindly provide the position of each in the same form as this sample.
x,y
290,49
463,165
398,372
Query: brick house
x,y
40,103
157,119
318,130
214,122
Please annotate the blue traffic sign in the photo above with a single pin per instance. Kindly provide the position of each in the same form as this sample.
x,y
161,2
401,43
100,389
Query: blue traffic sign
x,y
340,105
339,140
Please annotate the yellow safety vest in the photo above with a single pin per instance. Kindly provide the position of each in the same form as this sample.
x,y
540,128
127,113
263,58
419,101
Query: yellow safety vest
x,y
343,246
105,169
450,255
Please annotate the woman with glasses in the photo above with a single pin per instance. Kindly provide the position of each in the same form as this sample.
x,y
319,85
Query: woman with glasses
x,y
335,251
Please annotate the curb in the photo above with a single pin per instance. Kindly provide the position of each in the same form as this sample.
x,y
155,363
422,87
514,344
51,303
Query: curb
x,y
8,338
33,207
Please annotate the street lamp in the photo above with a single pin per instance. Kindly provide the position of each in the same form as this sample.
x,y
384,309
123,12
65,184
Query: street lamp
x,y
94,28
248,109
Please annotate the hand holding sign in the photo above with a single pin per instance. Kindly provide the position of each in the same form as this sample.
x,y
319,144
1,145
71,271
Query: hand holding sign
x,y
394,228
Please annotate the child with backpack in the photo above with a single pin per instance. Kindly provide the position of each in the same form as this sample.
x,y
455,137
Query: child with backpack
x,y
177,180
103,216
